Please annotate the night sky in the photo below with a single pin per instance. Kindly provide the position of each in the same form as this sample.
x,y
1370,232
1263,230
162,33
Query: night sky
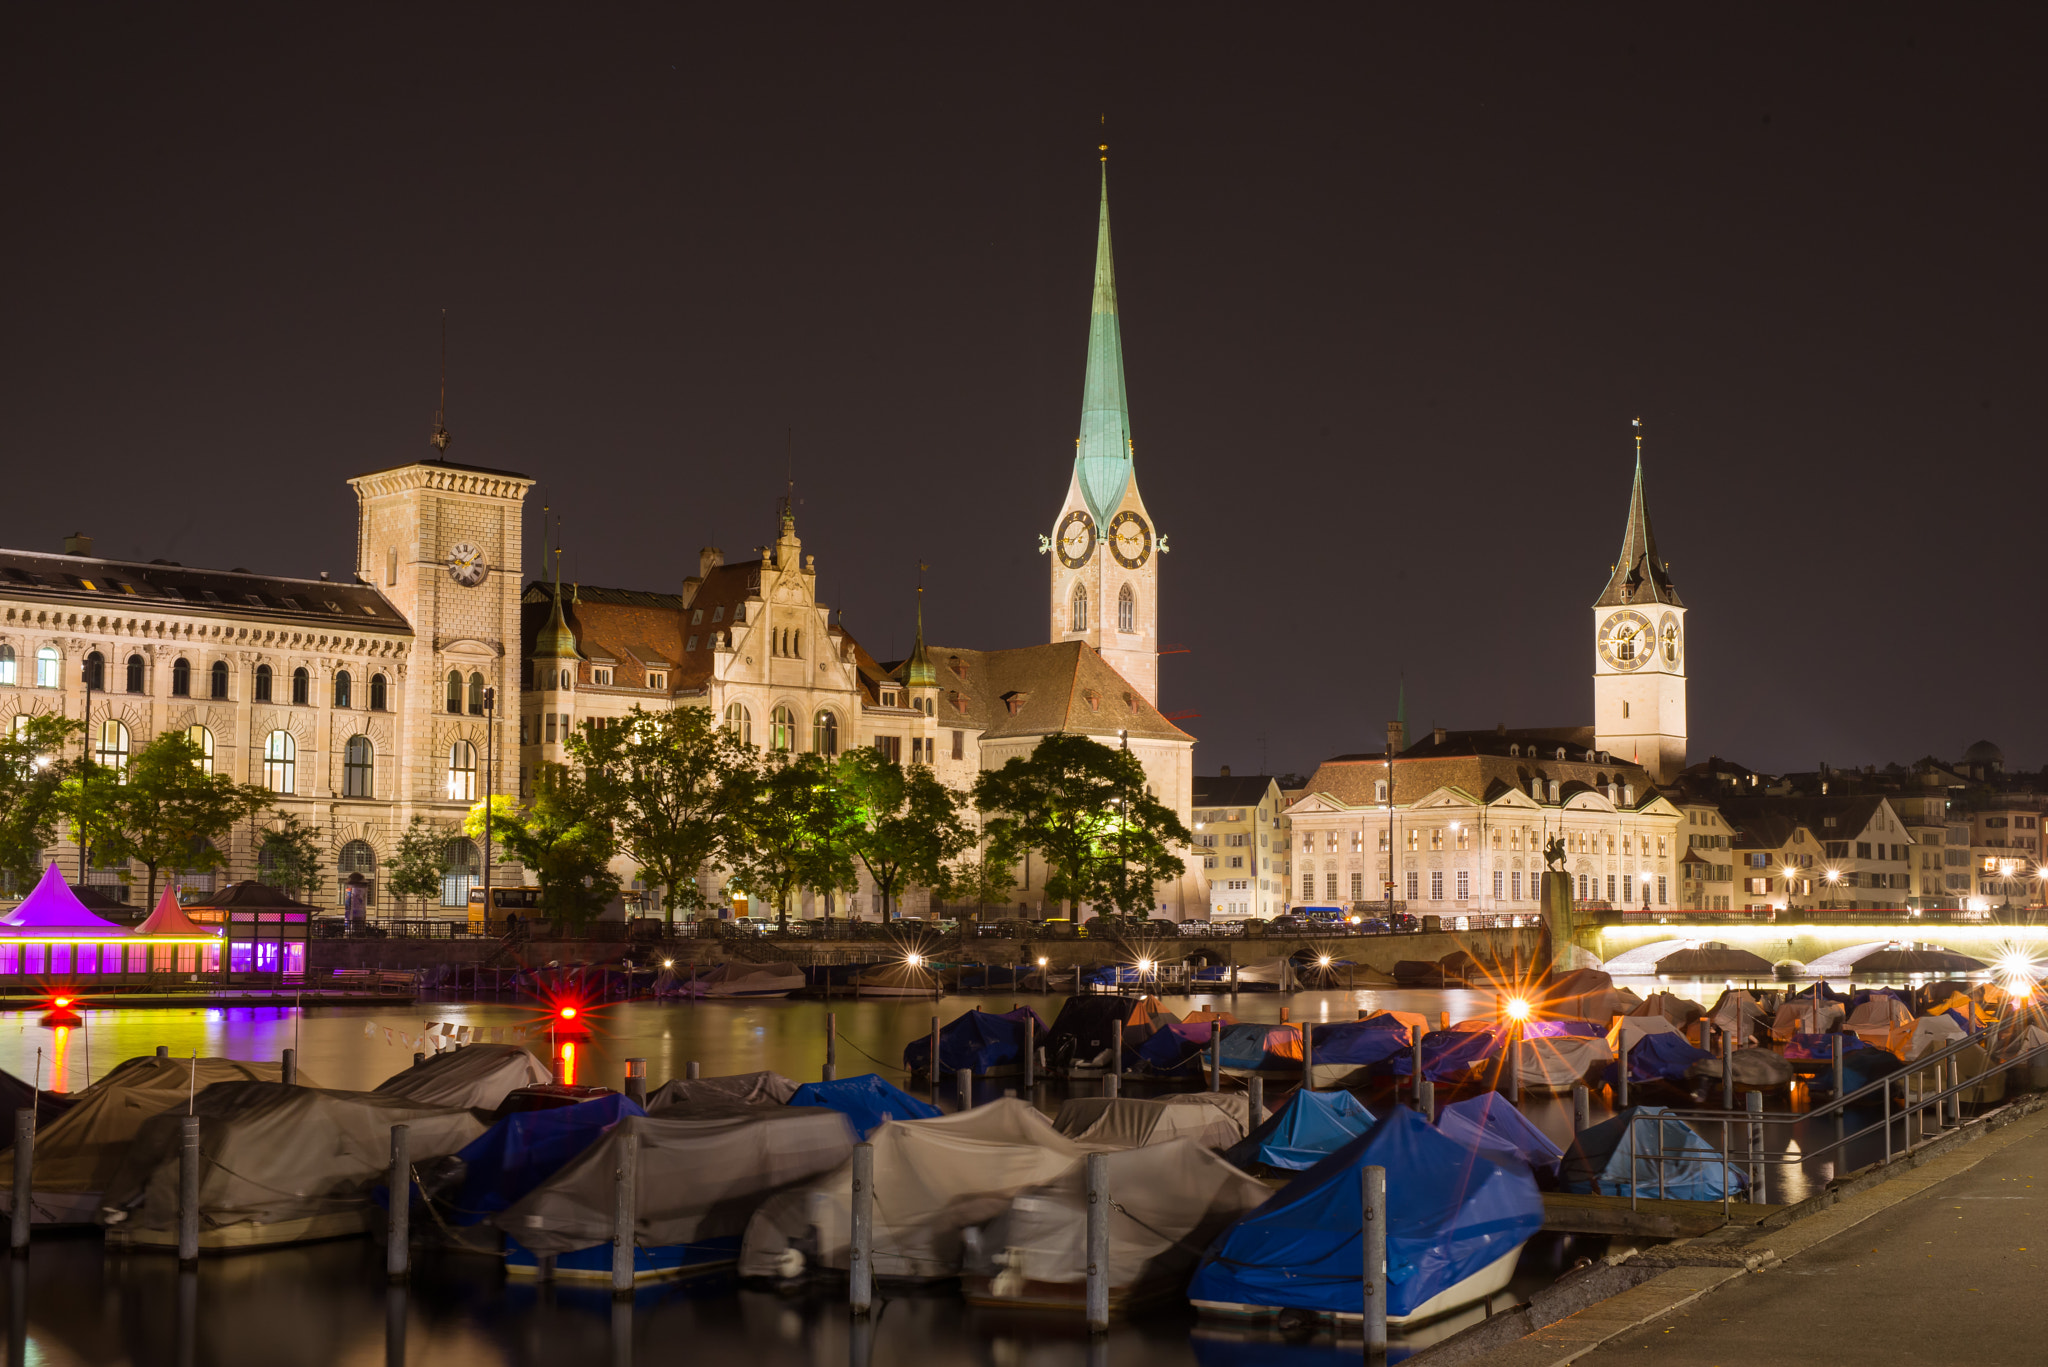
x,y
1391,293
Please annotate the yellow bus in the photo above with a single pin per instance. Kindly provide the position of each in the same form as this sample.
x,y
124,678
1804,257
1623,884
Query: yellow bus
x,y
490,919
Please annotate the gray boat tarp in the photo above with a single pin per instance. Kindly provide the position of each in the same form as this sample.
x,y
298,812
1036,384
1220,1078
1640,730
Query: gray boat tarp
x,y
1761,1069
78,1152
694,1178
476,1075
933,1179
1168,1199
273,1155
681,1094
1209,1118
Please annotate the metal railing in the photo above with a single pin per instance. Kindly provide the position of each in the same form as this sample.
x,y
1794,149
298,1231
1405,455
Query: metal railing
x,y
1945,1098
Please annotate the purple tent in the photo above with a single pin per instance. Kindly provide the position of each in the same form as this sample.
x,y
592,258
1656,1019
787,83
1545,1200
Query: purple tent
x,y
53,905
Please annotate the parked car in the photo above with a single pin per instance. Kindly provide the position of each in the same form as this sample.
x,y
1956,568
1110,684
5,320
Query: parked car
x,y
1057,925
1159,925
1198,928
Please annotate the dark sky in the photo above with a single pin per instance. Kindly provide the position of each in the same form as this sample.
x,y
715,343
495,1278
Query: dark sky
x,y
1391,292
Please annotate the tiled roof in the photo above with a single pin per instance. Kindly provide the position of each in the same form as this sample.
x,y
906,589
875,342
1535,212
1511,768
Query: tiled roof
x,y
1478,762
127,586
1231,790
1063,687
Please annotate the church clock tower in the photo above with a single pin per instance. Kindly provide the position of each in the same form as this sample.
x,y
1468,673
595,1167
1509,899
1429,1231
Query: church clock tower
x,y
1105,550
1639,651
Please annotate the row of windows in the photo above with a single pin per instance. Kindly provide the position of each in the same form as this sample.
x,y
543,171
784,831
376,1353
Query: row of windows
x,y
1126,609
782,728
94,675
1578,842
111,748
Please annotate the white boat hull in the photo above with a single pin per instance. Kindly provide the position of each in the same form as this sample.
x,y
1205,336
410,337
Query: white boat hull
x,y
1485,1282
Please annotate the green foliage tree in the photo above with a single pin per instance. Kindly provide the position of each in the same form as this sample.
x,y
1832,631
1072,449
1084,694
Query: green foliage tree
x,y
289,858
1084,808
420,861
32,777
977,878
564,837
670,783
905,824
169,811
793,832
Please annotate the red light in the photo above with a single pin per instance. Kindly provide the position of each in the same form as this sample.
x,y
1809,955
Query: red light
x,y
62,1002
568,1012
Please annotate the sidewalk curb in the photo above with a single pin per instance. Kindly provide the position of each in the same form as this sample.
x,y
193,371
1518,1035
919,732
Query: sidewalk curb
x,y
1847,1201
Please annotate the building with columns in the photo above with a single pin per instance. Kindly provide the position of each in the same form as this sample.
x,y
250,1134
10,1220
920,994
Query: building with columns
x,y
360,704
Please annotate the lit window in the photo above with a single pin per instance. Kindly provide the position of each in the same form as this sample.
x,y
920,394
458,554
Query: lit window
x,y
356,763
280,762
1436,885
782,729
458,872
6,664
181,678
111,748
202,741
46,667
344,690
825,732
740,722
462,772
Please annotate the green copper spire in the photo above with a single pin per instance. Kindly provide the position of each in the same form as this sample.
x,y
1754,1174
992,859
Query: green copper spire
x,y
917,670
554,641
1102,456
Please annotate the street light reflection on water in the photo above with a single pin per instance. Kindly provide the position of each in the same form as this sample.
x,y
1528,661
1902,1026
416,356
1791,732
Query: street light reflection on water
x,y
327,1304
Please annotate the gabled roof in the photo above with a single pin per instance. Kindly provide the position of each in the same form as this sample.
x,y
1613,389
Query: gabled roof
x,y
1060,688
52,904
1231,790
1639,576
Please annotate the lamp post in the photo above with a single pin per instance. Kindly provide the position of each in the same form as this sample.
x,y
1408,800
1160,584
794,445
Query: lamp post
x,y
490,782
1834,882
85,674
1791,873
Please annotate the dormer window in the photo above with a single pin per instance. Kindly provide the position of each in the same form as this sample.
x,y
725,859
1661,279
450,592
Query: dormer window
x,y
601,677
697,618
1560,753
888,697
692,644
718,613
657,681
1015,702
957,665
1094,700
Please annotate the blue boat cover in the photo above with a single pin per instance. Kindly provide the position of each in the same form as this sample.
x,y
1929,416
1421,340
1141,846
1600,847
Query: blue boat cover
x,y
1560,1028
1373,1040
1970,1027
1862,1069
1256,1047
1449,1055
977,1040
1175,1048
1665,1056
1025,1013
1489,1122
866,1101
520,1152
1821,1046
1301,1134
1606,1161
1449,1214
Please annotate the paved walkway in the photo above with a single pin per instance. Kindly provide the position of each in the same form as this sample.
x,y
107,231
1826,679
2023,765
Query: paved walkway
x,y
1947,1264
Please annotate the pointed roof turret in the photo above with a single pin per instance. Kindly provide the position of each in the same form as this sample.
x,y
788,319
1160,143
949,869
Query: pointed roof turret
x,y
1102,453
52,903
555,641
1639,576
917,670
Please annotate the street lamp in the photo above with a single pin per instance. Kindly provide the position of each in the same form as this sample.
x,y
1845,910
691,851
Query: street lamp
x,y
1834,882
1791,873
1646,889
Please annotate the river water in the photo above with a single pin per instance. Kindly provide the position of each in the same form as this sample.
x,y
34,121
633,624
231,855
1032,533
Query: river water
x,y
73,1306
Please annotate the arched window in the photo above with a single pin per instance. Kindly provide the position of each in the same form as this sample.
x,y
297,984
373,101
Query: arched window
x,y
782,728
111,748
825,732
356,759
476,695
740,722
6,664
96,671
455,691
1080,608
359,863
462,772
220,678
134,674
46,667
202,741
458,872
379,698
302,687
344,690
1126,610
563,681
181,678
280,762
262,683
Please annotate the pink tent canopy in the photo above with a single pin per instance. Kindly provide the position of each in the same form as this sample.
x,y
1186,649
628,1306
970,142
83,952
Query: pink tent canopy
x,y
169,918
53,905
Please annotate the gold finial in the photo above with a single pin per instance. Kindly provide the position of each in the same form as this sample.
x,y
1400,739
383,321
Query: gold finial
x,y
440,439
1639,439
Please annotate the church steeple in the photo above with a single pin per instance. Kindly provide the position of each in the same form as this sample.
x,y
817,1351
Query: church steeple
x,y
1102,455
917,670
1639,576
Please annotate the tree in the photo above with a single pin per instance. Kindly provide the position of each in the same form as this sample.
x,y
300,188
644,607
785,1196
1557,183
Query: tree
x,y
564,837
978,878
906,824
417,866
31,789
169,810
670,783
1083,808
793,832
290,858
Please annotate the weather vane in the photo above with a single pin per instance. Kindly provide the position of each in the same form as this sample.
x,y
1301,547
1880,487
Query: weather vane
x,y
440,438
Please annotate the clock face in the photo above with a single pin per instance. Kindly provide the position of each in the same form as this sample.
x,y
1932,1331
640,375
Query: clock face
x,y
1669,640
1627,640
1130,540
1076,541
466,565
